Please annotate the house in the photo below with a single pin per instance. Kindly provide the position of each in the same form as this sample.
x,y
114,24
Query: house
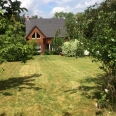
x,y
43,31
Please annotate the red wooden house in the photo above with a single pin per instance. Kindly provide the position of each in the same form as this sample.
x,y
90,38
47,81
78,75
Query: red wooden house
x,y
43,30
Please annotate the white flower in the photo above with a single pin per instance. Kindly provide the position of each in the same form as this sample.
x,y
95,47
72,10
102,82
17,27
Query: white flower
x,y
106,90
86,52
81,43
96,105
97,52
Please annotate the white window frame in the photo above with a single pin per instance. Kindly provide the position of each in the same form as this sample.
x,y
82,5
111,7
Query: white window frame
x,y
49,47
38,47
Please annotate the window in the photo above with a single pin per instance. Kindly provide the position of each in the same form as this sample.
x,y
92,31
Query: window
x,y
38,48
38,36
35,36
48,47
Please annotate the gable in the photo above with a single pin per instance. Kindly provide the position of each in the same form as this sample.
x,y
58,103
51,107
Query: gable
x,y
35,31
47,27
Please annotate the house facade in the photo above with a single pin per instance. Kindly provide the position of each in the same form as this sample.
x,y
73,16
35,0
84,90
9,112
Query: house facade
x,y
43,31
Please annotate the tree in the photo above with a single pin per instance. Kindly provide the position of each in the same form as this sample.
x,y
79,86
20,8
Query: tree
x,y
34,17
70,23
13,46
11,7
98,33
57,42
60,15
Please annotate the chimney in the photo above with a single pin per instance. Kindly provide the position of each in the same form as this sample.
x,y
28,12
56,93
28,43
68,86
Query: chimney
x,y
27,18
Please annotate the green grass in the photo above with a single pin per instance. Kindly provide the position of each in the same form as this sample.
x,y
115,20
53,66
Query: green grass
x,y
50,86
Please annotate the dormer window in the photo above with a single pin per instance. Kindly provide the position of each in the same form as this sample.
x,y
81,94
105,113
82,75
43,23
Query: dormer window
x,y
35,36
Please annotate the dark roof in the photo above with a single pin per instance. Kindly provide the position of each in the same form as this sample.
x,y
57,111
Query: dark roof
x,y
48,27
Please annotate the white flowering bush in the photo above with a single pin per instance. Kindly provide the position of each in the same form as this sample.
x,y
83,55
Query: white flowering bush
x,y
69,48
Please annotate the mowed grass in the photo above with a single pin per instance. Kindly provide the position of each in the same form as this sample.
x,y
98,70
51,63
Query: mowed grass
x,y
50,86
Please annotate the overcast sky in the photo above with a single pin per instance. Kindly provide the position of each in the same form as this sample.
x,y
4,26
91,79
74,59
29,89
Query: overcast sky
x,y
47,8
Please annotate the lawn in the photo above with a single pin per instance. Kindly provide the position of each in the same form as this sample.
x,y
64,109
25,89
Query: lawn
x,y
50,86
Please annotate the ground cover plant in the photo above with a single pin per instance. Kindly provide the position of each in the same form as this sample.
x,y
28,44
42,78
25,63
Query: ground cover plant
x,y
51,86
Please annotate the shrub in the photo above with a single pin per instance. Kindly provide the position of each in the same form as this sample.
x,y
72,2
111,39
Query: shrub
x,y
69,48
46,52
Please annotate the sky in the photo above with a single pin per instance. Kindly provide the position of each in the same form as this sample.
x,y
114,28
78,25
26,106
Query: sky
x,y
47,8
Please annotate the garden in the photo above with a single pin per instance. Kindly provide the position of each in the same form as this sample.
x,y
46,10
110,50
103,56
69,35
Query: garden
x,y
54,85
51,85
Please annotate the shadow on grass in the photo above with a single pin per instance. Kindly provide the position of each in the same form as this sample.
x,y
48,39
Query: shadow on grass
x,y
20,83
3,114
66,114
17,114
90,87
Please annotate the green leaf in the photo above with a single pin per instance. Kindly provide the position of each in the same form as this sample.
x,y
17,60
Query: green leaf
x,y
1,12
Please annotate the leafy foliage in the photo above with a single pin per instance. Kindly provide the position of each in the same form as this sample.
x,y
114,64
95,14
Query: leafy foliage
x,y
34,17
11,7
70,23
33,45
97,30
70,48
57,42
13,46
